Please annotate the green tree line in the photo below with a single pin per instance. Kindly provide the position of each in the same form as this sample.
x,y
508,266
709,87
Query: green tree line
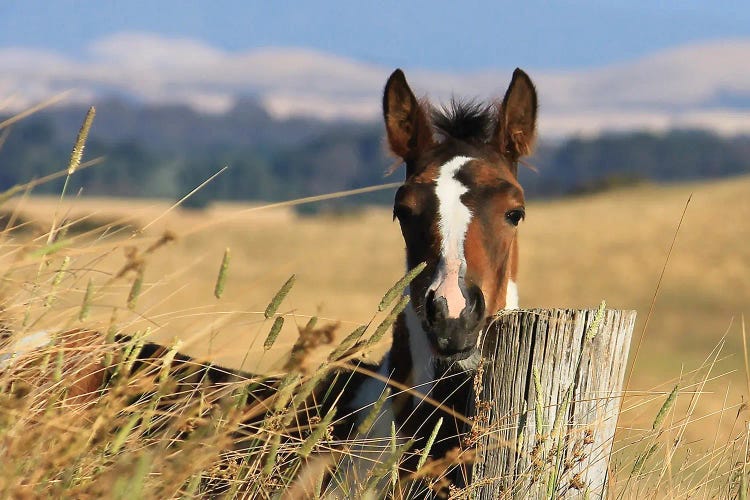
x,y
167,151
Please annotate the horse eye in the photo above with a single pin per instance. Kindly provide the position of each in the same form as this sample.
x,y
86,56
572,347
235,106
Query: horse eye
x,y
515,216
402,212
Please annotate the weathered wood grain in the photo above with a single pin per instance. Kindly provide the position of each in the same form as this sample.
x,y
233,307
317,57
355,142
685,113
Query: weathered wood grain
x,y
554,443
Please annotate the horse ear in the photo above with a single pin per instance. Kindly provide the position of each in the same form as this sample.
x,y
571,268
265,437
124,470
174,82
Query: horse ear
x,y
516,124
409,130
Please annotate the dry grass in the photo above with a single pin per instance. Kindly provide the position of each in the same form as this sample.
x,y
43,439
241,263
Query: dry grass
x,y
609,246
574,253
342,266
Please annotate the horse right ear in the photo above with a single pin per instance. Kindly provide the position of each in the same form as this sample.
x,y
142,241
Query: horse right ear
x,y
406,123
516,127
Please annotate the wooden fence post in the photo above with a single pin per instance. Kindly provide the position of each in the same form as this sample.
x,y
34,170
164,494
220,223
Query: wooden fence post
x,y
549,394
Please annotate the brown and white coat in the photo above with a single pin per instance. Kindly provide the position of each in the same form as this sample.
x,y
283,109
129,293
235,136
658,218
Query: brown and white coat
x,y
459,209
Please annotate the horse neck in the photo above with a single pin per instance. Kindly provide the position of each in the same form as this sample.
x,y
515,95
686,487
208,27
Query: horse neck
x,y
411,353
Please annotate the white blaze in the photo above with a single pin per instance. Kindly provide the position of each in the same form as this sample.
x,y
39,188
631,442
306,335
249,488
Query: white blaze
x,y
453,223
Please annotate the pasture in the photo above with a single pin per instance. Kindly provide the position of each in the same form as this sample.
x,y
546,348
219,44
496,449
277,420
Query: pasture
x,y
574,253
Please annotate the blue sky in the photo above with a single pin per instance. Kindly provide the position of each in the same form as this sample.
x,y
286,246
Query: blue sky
x,y
427,34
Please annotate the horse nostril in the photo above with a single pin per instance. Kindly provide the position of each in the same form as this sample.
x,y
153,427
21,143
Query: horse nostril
x,y
436,308
429,306
475,307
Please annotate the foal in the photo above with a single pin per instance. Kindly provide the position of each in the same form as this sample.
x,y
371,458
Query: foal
x,y
459,210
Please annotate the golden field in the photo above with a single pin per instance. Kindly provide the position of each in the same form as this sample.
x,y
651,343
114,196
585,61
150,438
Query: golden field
x,y
575,252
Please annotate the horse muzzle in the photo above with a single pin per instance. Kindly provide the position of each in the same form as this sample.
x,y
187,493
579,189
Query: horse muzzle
x,y
454,338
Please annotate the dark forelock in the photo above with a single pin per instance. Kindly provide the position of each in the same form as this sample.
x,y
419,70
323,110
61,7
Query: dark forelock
x,y
465,120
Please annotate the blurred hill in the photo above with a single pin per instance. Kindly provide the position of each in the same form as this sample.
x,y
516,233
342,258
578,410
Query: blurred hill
x,y
167,150
293,122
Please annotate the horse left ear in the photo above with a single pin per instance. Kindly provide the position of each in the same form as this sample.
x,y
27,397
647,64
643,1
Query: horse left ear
x,y
516,125
406,123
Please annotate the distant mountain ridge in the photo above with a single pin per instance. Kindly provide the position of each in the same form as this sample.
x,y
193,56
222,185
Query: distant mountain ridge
x,y
704,85
166,150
